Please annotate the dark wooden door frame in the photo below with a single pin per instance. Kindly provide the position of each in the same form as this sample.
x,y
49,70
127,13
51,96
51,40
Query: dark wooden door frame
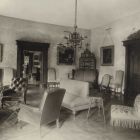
x,y
32,46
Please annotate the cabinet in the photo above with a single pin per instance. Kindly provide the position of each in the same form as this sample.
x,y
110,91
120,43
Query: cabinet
x,y
132,70
87,60
87,69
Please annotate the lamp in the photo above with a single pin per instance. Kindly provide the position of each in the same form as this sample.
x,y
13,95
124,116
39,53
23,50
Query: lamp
x,y
74,39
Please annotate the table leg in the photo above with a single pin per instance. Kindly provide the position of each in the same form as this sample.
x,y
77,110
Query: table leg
x,y
102,104
90,103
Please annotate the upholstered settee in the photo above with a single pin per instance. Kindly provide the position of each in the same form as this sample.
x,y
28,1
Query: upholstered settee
x,y
76,97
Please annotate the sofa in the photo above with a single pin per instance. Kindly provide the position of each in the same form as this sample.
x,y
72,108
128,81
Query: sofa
x,y
76,97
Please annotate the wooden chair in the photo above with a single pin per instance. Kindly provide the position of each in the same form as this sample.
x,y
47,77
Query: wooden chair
x,y
104,86
116,86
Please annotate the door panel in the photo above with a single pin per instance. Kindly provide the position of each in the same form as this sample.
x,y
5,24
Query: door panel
x,y
134,74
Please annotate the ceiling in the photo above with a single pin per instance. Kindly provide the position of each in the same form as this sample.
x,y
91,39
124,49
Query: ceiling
x,y
91,13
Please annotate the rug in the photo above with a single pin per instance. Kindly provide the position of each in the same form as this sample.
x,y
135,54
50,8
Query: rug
x,y
79,129
10,120
70,129
4,114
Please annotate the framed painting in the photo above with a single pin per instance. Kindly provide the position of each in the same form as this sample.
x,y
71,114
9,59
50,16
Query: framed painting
x,y
65,55
107,55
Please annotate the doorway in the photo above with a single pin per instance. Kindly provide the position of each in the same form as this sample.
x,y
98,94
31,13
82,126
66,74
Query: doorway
x,y
32,61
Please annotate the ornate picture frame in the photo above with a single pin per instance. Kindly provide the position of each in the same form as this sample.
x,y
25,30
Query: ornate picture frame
x,y
107,55
65,55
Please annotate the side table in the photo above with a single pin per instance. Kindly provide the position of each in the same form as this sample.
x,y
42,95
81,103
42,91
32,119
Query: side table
x,y
98,101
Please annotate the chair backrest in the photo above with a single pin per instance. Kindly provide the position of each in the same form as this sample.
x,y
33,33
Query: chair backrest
x,y
43,99
119,78
51,75
105,81
18,84
52,105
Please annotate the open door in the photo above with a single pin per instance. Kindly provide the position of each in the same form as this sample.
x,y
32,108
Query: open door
x,y
32,61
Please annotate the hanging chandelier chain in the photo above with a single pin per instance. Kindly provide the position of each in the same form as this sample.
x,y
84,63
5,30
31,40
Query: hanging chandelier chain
x,y
74,39
75,25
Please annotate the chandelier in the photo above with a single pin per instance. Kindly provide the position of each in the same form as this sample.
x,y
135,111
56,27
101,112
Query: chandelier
x,y
74,39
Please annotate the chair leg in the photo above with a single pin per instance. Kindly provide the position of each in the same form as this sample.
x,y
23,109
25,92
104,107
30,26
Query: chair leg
x,y
57,123
19,124
103,111
99,109
40,135
25,97
74,114
88,112
2,103
89,108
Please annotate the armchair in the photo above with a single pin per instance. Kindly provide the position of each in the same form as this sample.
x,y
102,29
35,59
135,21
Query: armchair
x,y
125,116
48,110
16,91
